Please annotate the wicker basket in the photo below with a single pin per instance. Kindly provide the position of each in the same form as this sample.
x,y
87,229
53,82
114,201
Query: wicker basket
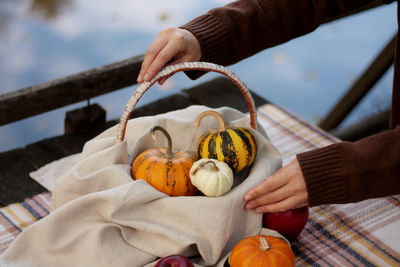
x,y
186,66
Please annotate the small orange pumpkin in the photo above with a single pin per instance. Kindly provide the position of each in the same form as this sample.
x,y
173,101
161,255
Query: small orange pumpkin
x,y
165,170
261,251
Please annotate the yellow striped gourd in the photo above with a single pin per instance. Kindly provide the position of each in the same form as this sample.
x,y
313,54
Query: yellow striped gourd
x,y
233,145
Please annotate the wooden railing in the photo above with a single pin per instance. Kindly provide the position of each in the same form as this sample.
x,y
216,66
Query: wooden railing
x,y
48,96
361,86
44,97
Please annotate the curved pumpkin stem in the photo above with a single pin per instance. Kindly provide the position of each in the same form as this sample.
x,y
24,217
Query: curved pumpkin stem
x,y
166,134
221,121
203,164
264,246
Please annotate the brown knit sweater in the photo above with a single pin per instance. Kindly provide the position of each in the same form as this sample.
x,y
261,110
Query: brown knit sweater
x,y
340,173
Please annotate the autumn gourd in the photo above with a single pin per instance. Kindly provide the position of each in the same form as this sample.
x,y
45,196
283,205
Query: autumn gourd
x,y
164,169
212,177
234,145
260,251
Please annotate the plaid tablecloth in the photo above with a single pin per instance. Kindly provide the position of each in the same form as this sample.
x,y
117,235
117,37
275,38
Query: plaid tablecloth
x,y
360,234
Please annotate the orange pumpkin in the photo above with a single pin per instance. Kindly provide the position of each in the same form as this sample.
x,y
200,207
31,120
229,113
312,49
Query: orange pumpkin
x,y
262,251
165,170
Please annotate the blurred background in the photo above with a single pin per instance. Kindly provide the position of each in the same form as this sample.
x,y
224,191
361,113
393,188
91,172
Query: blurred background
x,y
41,40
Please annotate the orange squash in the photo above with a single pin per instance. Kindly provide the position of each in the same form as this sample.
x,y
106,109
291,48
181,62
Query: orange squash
x,y
165,170
262,251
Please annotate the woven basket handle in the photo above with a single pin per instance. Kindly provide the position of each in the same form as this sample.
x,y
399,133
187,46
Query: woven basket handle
x,y
172,69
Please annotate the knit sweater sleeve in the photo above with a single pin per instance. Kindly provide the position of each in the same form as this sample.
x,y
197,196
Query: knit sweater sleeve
x,y
340,173
243,28
350,172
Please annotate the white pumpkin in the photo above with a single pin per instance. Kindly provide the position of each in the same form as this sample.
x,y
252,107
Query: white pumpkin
x,y
212,177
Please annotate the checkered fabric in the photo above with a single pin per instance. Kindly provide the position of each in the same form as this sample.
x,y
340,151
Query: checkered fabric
x,y
360,234
18,216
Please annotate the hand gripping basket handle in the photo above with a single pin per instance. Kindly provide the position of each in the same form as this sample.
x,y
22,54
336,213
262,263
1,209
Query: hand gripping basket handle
x,y
172,69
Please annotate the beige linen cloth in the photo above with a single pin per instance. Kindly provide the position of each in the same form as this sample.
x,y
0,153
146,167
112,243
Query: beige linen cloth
x,y
101,217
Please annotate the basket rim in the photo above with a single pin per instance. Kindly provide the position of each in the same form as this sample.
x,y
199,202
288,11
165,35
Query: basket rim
x,y
185,66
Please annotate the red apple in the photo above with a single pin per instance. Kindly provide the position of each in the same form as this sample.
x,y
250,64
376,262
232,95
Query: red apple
x,y
174,261
288,223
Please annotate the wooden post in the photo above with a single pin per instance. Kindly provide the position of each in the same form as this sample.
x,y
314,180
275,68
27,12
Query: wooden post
x,y
48,96
361,87
84,119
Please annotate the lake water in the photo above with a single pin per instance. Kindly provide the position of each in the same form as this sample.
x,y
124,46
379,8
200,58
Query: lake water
x,y
41,40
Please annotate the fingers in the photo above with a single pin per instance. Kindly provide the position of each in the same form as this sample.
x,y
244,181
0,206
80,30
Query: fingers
x,y
269,197
285,190
171,46
158,54
269,185
162,58
289,203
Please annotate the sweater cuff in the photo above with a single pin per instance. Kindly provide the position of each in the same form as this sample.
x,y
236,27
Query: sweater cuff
x,y
212,36
324,174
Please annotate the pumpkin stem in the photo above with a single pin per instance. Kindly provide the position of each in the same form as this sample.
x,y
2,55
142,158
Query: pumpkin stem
x,y
166,134
264,246
221,121
203,164
213,168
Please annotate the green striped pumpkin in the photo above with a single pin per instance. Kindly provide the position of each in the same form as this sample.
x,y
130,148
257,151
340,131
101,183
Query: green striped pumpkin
x,y
233,145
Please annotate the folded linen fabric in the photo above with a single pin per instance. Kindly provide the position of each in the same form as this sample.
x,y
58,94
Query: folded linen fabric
x,y
102,217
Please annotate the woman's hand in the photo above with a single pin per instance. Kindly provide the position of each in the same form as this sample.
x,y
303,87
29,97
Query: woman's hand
x,y
172,45
284,190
